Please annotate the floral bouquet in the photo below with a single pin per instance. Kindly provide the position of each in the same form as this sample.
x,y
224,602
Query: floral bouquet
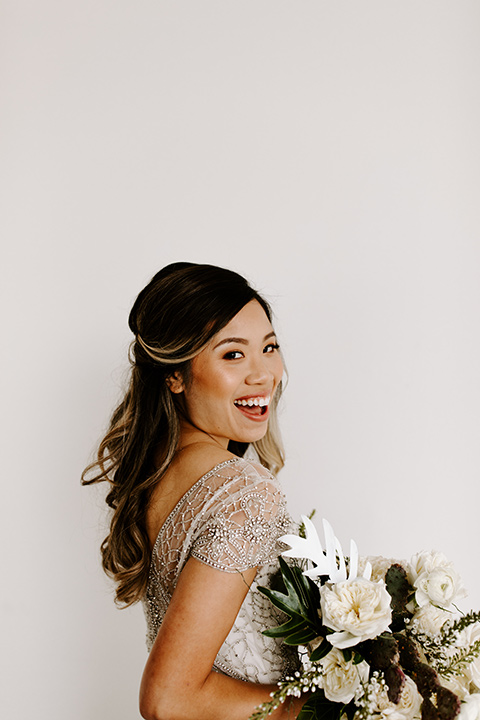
x,y
378,639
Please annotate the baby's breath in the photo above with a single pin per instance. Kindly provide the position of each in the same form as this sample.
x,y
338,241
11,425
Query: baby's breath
x,y
292,687
367,694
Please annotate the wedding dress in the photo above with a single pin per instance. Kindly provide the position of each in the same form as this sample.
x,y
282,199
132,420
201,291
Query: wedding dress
x,y
230,519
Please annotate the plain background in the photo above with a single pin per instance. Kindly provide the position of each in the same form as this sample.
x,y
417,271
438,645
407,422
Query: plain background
x,y
329,151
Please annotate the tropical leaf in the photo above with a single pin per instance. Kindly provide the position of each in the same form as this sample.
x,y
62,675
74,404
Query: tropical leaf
x,y
286,603
300,602
306,590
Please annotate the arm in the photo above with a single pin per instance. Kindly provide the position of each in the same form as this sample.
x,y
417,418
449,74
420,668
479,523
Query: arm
x,y
178,682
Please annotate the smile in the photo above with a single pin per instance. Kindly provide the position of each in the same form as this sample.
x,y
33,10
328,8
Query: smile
x,y
253,407
260,401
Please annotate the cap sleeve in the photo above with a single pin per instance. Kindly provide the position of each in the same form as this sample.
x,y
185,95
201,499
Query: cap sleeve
x,y
245,519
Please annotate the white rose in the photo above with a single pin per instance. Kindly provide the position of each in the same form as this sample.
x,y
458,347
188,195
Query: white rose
x,y
434,578
380,566
458,684
441,586
429,619
357,609
407,708
470,708
410,703
340,679
425,561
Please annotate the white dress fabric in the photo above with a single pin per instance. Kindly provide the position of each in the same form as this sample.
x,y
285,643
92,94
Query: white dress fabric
x,y
230,519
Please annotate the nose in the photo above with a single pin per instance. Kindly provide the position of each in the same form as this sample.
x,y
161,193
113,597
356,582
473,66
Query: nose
x,y
259,372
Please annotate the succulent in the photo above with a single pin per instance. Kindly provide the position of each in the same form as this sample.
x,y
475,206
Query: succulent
x,y
382,654
439,703
399,588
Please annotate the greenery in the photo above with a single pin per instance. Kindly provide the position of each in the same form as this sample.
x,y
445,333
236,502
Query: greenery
x,y
300,603
398,652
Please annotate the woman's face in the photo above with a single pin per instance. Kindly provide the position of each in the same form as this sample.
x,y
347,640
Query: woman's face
x,y
234,378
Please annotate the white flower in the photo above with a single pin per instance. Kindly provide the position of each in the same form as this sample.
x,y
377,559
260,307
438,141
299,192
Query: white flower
x,y
407,708
425,561
470,708
410,703
340,679
357,609
380,565
458,684
440,587
429,619
435,579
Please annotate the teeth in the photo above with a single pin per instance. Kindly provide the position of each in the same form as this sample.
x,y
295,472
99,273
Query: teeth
x,y
251,402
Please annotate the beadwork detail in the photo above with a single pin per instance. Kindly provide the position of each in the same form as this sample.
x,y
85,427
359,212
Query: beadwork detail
x,y
230,519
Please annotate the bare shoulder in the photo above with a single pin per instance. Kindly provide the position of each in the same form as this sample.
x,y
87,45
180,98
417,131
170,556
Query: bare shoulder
x,y
196,460
187,467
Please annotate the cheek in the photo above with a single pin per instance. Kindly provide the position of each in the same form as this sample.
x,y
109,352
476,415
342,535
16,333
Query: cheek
x,y
278,371
216,384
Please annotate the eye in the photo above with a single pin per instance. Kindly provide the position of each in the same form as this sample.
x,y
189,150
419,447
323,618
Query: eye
x,y
271,347
233,355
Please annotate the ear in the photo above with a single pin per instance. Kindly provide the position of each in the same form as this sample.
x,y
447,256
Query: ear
x,y
175,382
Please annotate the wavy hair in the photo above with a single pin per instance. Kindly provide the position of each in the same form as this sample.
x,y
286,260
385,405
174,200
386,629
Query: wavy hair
x,y
173,319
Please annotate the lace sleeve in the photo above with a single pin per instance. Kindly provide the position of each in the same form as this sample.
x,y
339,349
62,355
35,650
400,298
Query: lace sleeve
x,y
240,529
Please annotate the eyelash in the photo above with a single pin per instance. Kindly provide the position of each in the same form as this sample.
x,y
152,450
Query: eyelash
x,y
229,355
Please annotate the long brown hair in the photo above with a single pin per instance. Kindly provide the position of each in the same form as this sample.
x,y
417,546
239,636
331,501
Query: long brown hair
x,y
172,319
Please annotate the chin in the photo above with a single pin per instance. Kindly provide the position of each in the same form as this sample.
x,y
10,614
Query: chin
x,y
251,437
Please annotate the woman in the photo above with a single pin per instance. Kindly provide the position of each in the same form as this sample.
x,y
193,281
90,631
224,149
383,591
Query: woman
x,y
195,525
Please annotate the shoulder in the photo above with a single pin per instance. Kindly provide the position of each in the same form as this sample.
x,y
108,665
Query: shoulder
x,y
221,482
244,516
242,485
198,459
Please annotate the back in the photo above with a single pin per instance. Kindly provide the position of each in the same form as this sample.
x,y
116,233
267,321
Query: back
x,y
230,519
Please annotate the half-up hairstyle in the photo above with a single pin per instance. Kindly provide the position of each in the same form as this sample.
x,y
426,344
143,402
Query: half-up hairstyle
x,y
174,317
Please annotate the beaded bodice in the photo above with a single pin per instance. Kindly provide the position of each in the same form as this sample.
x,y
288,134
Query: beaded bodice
x,y
230,519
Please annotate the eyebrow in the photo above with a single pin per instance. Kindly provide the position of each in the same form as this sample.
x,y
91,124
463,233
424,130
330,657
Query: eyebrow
x,y
240,341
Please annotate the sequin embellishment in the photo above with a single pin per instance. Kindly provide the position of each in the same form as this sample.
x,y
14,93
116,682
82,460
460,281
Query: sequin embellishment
x,y
230,519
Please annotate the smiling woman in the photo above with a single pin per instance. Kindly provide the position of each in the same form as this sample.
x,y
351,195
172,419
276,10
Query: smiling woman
x,y
232,380
195,524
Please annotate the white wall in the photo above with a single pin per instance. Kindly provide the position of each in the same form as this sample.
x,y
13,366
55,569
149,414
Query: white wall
x,y
329,151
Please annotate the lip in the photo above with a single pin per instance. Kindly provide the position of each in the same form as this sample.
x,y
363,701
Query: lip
x,y
254,418
249,415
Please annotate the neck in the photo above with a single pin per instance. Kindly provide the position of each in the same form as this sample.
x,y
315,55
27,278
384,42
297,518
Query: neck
x,y
189,434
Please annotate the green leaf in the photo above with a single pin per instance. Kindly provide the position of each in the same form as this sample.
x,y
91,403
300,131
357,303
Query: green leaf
x,y
305,589
302,637
291,626
302,598
283,602
300,602
319,708
321,651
